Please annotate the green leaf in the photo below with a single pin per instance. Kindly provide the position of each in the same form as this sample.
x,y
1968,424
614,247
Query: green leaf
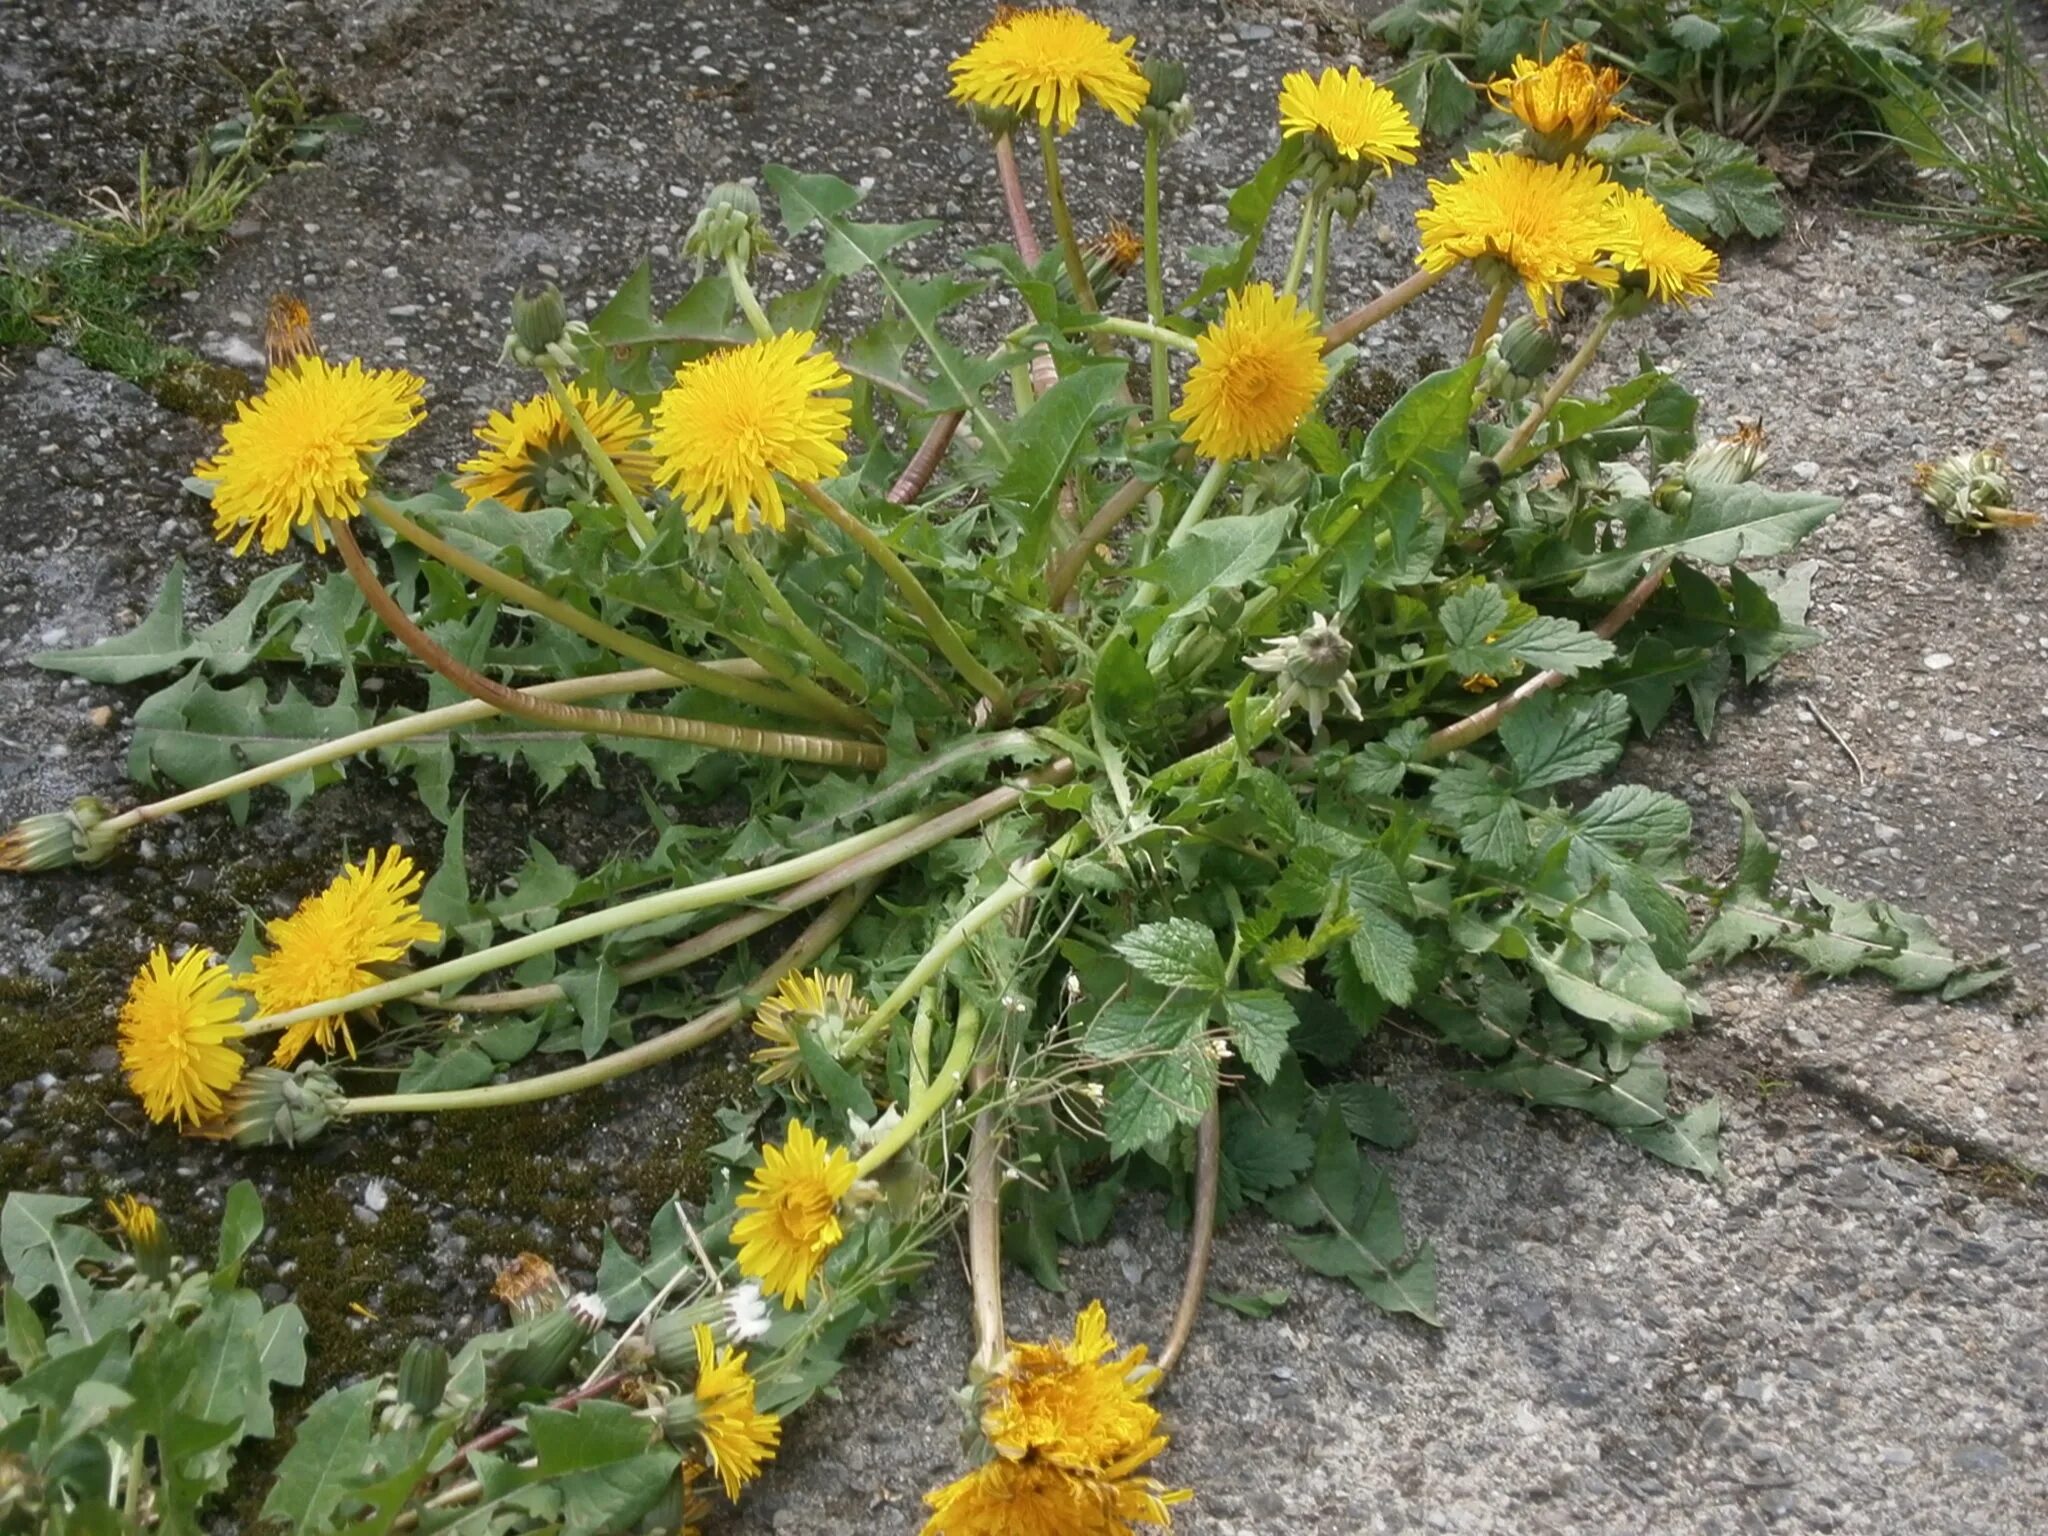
x,y
1046,444
1553,740
1249,210
1146,1019
1383,950
42,1252
327,1461
449,1070
1723,524
1176,952
1259,1024
592,993
1489,819
1223,552
158,644
1124,686
1691,1141
1258,1305
1365,1243
241,1223
1635,997
627,1284
1149,1097
1372,1113
26,1346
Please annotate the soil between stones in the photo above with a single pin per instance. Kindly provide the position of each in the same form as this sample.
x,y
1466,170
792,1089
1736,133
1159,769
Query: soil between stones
x,y
1840,1337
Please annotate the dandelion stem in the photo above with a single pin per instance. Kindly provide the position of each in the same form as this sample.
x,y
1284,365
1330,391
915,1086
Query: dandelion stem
x,y
1197,509
1018,884
1299,260
984,1229
936,624
644,531
1155,280
1489,318
596,925
743,290
1513,453
937,1094
829,661
1119,505
1042,373
1366,316
924,463
1201,1234
1143,330
1319,279
706,1026
386,734
1063,222
696,673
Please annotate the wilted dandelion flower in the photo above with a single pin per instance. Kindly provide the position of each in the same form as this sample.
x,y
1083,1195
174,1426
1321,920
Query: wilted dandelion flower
x,y
1564,102
1672,266
1045,64
1257,372
295,455
1314,668
1035,1498
1549,223
287,332
738,1437
327,947
1069,1403
531,450
733,421
1351,114
175,1031
812,1003
792,1205
529,1286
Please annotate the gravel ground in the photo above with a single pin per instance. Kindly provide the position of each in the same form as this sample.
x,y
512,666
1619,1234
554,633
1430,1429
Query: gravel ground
x,y
1845,1335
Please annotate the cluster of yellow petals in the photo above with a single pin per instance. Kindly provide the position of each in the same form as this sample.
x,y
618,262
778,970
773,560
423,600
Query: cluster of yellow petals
x,y
296,455
1072,1430
733,421
1564,102
802,1001
738,1437
1045,64
137,1221
792,1220
1257,371
177,1029
330,943
1356,116
522,446
1674,267
1550,223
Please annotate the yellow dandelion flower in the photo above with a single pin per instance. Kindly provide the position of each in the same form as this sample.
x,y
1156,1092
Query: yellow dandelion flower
x,y
1035,1498
1565,102
327,947
1353,114
811,1003
792,1203
1672,266
739,1439
1045,64
733,421
1257,372
176,1030
137,1220
1068,1403
527,448
1550,223
294,455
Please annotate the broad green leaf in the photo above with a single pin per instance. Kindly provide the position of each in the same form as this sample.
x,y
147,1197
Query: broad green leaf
x,y
42,1252
627,1284
160,644
1259,1024
1047,443
1175,952
1634,996
1146,1019
1151,1096
1724,524
1372,1113
1253,1304
1553,740
241,1223
1384,951
329,1459
448,1070
1223,552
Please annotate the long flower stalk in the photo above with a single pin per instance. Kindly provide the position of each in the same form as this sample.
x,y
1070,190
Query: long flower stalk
x,y
937,626
705,1027
1155,279
1297,262
1201,1235
941,1091
642,526
813,645
1366,316
985,1229
1514,453
743,291
1319,278
593,925
1063,222
833,751
697,674
1017,884
1042,374
1489,318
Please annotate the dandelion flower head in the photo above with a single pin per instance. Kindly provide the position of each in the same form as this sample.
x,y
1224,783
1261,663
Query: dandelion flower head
x,y
1549,223
1357,117
1257,372
791,1204
1045,63
528,449
176,1032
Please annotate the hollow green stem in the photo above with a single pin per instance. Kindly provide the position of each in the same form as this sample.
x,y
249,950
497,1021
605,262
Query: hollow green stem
x,y
644,531
705,1027
385,734
1489,318
1018,884
1158,335
1063,221
1299,260
743,290
1514,453
941,1091
1366,316
696,673
1320,273
1155,281
594,925
1198,508
936,624
828,661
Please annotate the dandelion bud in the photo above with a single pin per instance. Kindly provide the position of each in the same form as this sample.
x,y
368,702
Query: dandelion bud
x,y
1167,112
275,1107
545,1345
143,1232
422,1376
1106,260
1314,667
1527,348
1972,492
58,840
530,1287
729,224
1479,479
1281,480
542,332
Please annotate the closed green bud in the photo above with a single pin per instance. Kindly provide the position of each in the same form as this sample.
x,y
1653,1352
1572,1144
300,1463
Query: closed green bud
x,y
1972,492
729,225
422,1376
1527,348
273,1107
1167,111
545,1346
1479,479
58,840
542,332
1281,480
1196,652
